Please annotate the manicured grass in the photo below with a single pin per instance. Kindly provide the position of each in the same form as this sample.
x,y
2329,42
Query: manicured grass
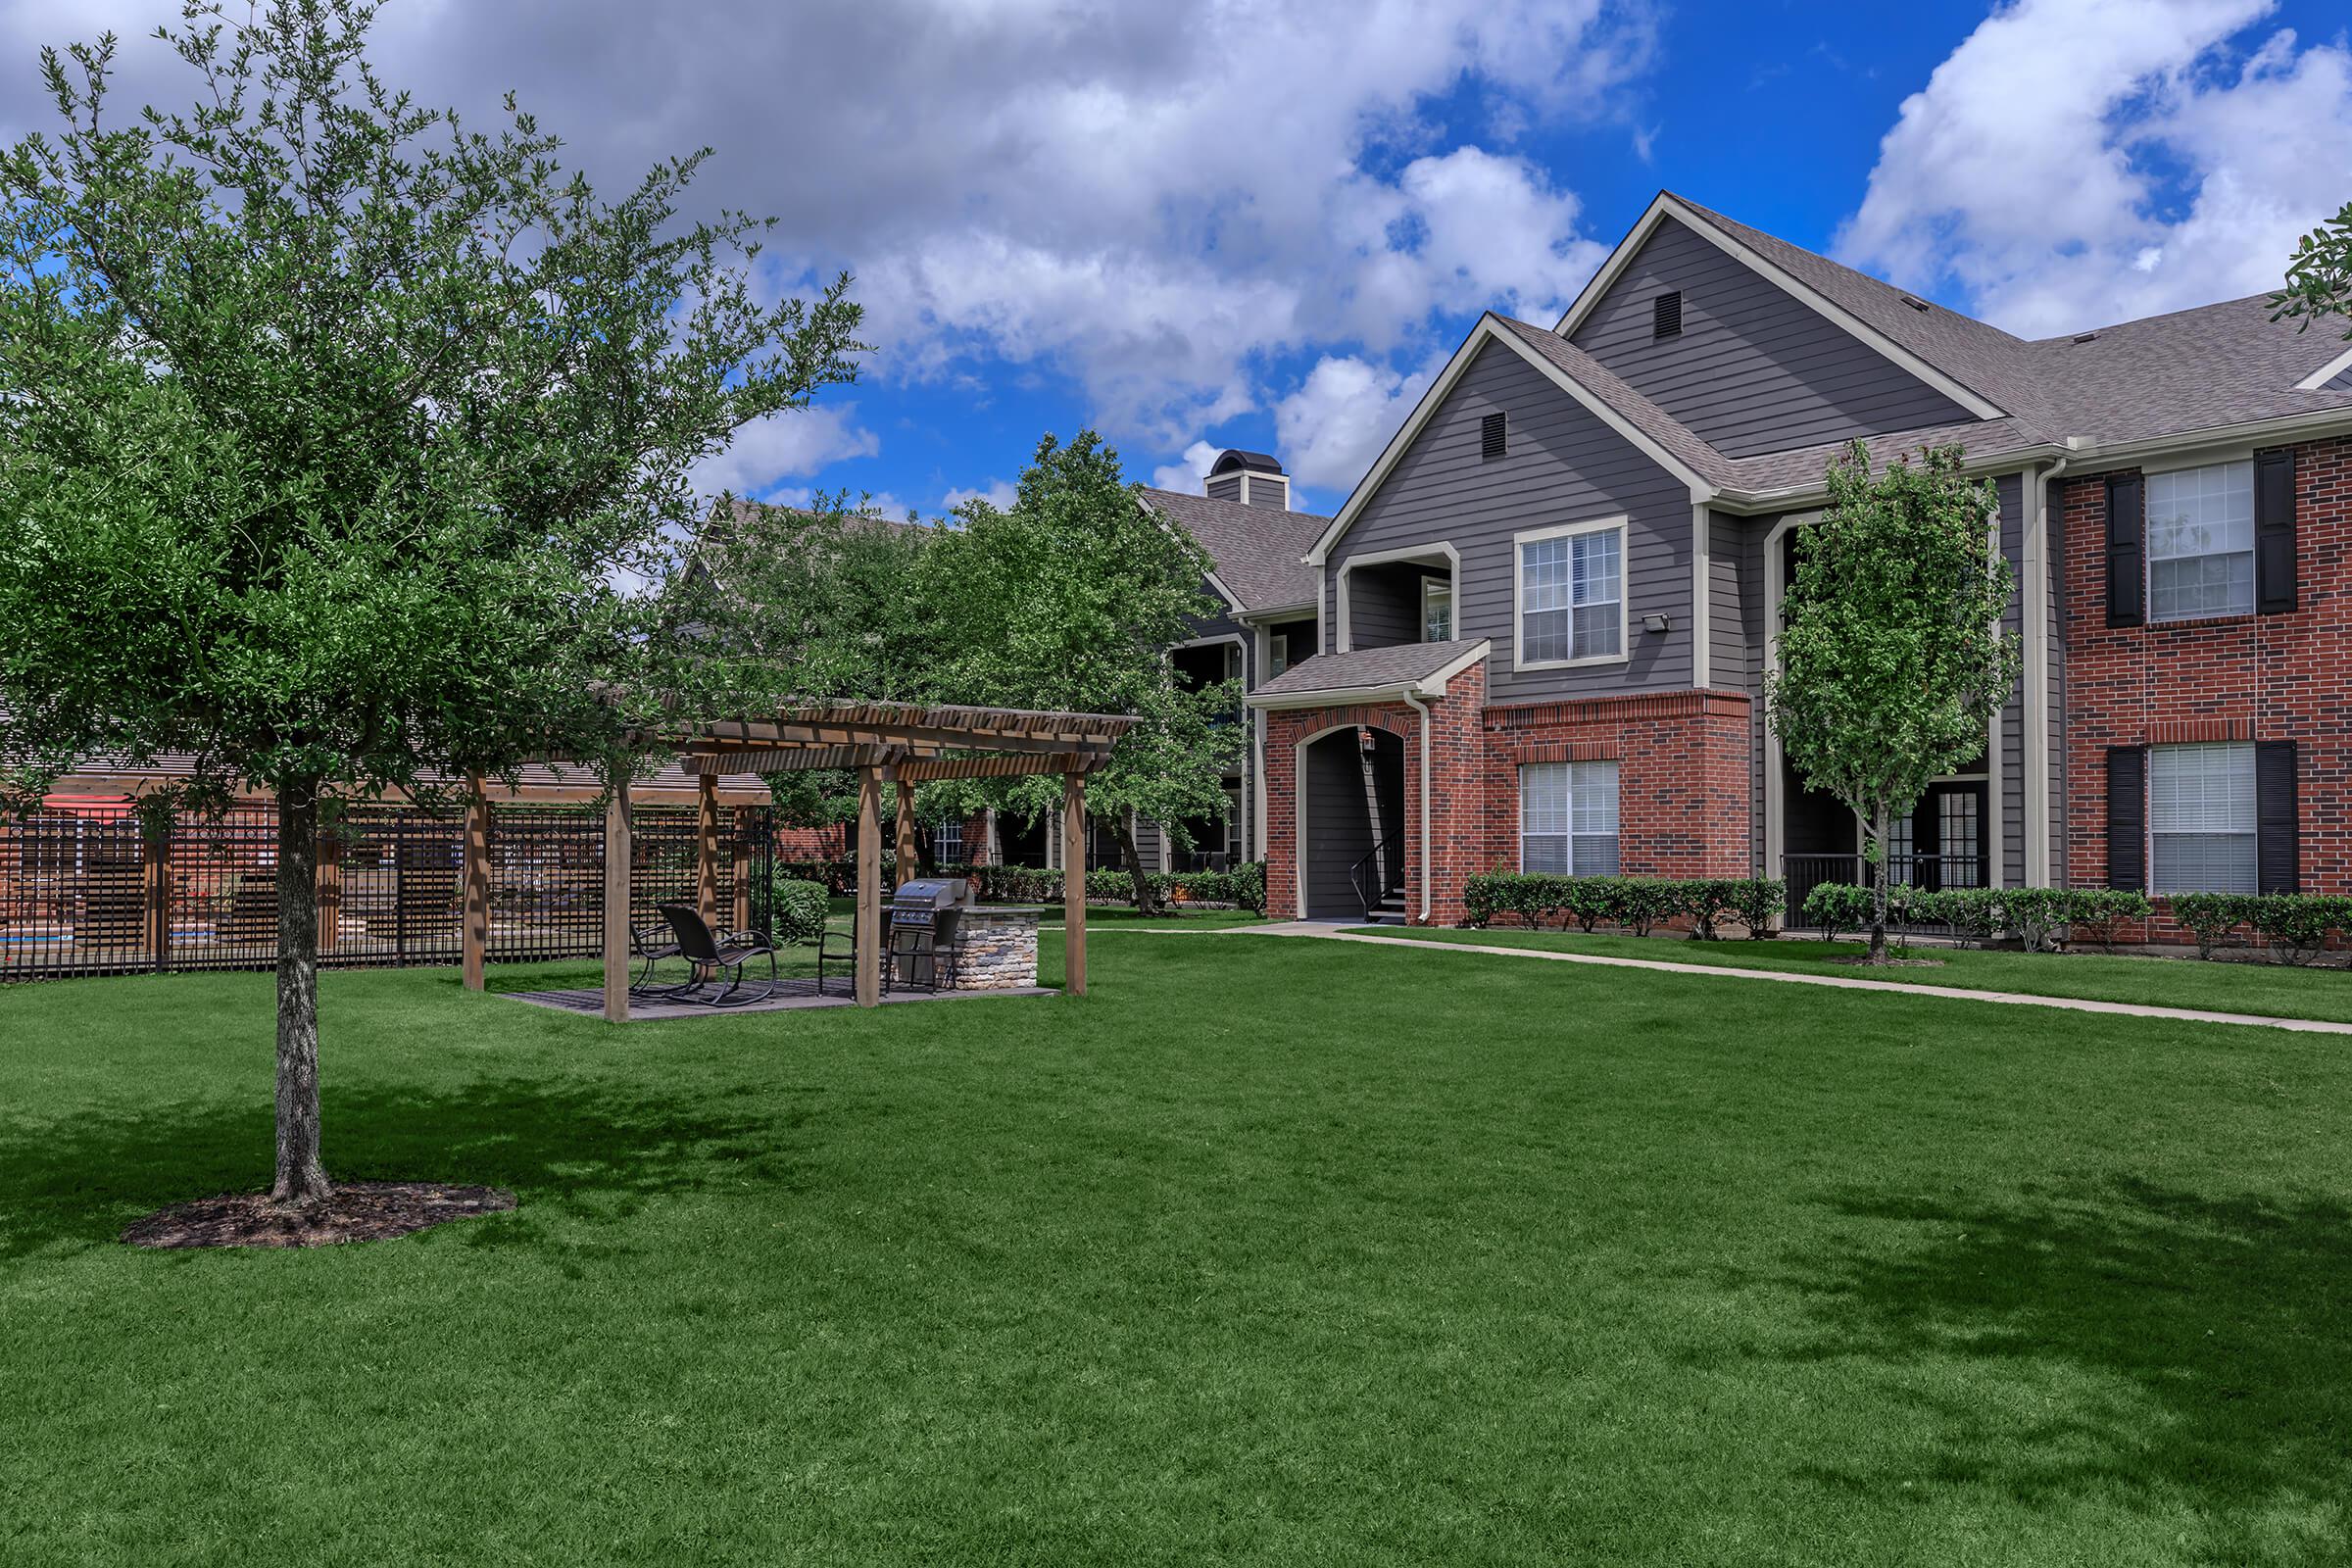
x,y
1268,1251
2271,989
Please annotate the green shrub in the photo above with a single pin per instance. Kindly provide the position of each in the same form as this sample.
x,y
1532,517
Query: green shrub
x,y
1704,901
1244,887
2296,924
1759,902
2036,917
1837,906
796,912
2212,918
2098,913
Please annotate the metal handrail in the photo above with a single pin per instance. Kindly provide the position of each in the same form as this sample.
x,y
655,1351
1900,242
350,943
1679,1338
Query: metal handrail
x,y
1355,875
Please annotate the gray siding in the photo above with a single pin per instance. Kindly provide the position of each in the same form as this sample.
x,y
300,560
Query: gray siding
x,y
1564,466
2342,382
1224,487
1383,604
1736,607
1754,370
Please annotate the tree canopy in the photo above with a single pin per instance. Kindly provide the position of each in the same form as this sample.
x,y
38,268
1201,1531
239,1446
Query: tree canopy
x,y
333,433
2318,276
1892,660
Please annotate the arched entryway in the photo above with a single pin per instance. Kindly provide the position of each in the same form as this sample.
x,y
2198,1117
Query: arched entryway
x,y
1351,823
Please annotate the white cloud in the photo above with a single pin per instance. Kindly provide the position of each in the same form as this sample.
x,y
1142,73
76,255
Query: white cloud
x,y
2080,162
998,493
1186,472
786,445
1343,414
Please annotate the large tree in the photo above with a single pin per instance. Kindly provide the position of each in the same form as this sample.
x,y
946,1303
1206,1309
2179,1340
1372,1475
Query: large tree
x,y
1070,600
1892,660
333,432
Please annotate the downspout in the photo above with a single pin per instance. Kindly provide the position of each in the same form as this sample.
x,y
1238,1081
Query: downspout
x,y
1413,701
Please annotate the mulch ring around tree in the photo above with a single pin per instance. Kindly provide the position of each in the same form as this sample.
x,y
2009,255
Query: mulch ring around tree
x,y
355,1211
1891,963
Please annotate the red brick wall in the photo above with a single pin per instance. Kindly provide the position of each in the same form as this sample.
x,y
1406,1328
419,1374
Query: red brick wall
x,y
1683,784
1684,777
2244,677
1455,789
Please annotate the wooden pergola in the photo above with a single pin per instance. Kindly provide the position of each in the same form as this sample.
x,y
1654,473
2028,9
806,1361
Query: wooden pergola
x,y
899,743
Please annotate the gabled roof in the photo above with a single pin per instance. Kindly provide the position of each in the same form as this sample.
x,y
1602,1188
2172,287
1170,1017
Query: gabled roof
x,y
1259,552
2218,373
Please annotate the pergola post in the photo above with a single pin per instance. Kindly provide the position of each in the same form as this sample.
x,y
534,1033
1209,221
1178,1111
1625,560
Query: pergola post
x,y
1073,883
616,901
905,834
705,849
868,939
744,860
476,935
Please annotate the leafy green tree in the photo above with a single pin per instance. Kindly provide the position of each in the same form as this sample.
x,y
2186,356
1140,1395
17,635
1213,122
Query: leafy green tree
x,y
1071,601
823,599
1891,658
2319,275
332,433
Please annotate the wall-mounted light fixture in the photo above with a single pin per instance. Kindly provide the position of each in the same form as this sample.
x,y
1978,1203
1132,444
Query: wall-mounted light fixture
x,y
1657,623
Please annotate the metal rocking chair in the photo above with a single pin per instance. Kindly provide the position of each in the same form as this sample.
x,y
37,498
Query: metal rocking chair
x,y
717,953
649,945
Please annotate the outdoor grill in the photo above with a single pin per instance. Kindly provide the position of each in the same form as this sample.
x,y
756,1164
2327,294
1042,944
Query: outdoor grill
x,y
923,936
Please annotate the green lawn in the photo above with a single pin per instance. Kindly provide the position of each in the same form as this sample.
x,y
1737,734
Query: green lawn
x,y
2217,986
1268,1251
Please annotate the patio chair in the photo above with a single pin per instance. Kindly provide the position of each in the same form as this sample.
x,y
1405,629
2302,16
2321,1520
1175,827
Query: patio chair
x,y
649,945
717,953
846,955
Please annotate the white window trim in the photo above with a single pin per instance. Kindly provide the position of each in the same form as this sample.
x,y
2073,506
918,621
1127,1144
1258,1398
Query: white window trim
x,y
1429,587
2147,814
1571,835
2147,552
1625,593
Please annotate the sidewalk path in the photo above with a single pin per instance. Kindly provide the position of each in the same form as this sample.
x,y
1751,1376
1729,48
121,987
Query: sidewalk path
x,y
1332,933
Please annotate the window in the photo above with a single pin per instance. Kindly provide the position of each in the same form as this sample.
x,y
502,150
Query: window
x,y
2201,817
1437,609
2201,542
1494,436
946,842
1666,315
1568,819
1570,594
1278,652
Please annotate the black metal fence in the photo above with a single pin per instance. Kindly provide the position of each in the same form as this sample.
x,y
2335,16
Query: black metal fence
x,y
1805,872
86,889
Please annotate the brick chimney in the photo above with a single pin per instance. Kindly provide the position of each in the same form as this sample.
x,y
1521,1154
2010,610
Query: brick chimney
x,y
1253,478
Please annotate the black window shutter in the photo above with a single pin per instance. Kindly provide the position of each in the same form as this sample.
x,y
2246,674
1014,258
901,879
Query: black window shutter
x,y
2278,841
1493,435
2126,524
2275,531
2127,818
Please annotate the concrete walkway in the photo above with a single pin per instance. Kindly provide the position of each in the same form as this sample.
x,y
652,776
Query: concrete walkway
x,y
1333,932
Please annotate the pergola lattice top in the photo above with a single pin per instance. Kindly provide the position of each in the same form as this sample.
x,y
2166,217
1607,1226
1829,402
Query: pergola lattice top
x,y
915,743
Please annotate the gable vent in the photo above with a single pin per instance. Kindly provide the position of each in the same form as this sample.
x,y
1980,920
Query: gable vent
x,y
1666,315
1493,437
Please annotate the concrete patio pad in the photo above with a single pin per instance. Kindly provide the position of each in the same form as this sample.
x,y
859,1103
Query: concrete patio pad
x,y
790,996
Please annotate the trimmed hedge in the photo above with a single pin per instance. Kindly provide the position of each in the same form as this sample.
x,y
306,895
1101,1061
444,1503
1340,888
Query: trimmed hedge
x,y
1244,886
1631,903
2041,918
2295,926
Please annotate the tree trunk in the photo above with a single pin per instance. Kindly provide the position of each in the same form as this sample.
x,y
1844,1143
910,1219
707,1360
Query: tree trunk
x,y
301,1178
1146,896
1879,892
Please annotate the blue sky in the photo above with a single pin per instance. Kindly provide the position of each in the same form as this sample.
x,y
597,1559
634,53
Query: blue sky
x,y
1265,223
